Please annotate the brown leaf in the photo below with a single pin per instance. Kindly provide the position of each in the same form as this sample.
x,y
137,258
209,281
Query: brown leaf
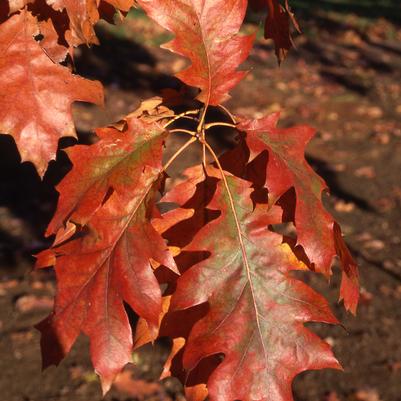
x,y
368,394
365,172
332,396
83,15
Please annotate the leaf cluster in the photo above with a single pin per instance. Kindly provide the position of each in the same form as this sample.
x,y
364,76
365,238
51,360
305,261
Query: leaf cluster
x,y
204,262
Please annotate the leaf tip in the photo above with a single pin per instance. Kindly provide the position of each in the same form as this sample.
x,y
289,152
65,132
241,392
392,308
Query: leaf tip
x,y
106,383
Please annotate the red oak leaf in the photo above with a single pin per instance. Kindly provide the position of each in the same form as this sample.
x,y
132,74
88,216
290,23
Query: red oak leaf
x,y
110,195
113,163
83,15
286,168
109,264
35,93
206,32
257,310
123,5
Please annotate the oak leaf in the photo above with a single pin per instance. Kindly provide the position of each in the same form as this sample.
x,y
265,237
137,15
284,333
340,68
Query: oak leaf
x,y
56,52
83,15
287,168
206,32
110,191
113,163
257,309
35,93
109,264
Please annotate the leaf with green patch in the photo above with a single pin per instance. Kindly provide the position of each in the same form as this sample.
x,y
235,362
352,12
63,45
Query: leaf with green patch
x,y
110,195
113,163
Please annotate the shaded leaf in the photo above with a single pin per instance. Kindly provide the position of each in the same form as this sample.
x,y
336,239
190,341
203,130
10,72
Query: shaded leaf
x,y
349,291
277,25
206,32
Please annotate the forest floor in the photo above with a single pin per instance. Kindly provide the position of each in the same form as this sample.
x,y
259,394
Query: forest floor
x,y
345,80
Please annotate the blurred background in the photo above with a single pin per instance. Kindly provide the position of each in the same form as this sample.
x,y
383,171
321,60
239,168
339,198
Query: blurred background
x,y
344,78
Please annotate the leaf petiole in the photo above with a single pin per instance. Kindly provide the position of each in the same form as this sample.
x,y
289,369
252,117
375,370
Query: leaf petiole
x,y
182,115
228,112
219,124
183,131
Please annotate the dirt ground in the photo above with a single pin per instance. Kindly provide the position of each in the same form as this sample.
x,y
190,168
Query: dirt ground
x,y
345,80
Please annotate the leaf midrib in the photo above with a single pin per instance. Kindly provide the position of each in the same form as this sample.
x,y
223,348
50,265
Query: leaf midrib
x,y
108,250
247,267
